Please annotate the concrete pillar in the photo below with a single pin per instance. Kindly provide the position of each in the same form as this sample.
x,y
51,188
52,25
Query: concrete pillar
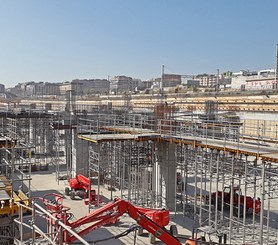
x,y
165,153
80,156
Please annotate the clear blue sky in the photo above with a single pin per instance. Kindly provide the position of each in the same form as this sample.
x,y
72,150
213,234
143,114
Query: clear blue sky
x,y
59,40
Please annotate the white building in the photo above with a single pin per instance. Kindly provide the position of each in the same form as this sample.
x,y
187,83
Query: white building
x,y
261,80
260,83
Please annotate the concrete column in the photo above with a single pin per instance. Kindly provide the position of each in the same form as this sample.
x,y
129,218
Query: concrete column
x,y
80,156
165,153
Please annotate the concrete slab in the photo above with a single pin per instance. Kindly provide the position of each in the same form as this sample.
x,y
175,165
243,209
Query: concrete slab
x,y
45,182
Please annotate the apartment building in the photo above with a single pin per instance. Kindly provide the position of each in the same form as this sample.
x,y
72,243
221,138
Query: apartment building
x,y
121,84
86,86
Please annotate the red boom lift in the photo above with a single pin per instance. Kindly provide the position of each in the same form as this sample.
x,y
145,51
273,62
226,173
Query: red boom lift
x,y
152,220
80,186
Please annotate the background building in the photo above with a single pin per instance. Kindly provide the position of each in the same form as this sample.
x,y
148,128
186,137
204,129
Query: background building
x,y
2,88
64,87
261,80
45,88
90,86
121,84
171,80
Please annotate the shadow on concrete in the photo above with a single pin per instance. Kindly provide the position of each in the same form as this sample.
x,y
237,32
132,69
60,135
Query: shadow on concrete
x,y
39,193
187,222
184,222
191,179
190,191
98,237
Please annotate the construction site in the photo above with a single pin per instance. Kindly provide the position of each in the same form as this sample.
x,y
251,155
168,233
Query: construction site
x,y
207,164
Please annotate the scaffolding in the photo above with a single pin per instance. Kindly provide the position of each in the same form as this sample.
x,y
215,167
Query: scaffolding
x,y
28,143
211,154
15,177
167,158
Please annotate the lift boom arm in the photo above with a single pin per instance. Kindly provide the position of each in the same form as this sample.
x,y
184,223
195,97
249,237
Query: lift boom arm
x,y
110,213
80,182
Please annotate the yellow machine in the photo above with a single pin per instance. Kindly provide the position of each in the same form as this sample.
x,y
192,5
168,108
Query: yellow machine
x,y
9,200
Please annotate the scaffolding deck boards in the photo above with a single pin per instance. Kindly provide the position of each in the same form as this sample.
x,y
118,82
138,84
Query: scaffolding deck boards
x,y
272,157
129,133
97,138
231,146
127,129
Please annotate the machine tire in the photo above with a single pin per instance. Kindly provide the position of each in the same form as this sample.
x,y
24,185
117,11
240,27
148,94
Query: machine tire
x,y
174,230
72,195
67,191
140,231
152,238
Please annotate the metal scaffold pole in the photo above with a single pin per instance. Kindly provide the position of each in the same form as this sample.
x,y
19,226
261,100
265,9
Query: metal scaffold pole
x,y
223,169
210,189
244,201
231,202
262,205
195,184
